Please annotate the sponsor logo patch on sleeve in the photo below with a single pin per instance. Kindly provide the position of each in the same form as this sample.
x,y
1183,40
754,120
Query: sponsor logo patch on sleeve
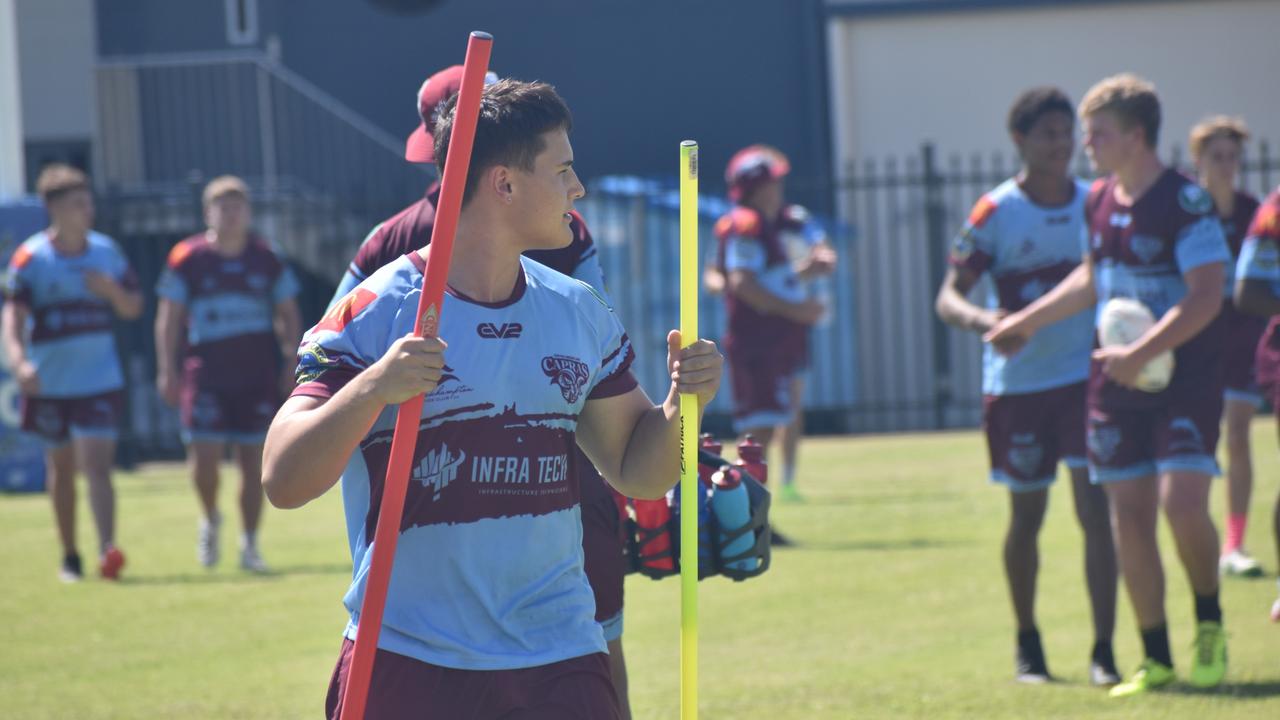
x,y
346,310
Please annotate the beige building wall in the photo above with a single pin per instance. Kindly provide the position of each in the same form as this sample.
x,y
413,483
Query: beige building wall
x,y
950,77
57,51
898,81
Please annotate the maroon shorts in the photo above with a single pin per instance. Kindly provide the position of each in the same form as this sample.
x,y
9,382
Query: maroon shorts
x,y
1239,357
761,389
239,416
406,689
1181,436
1028,434
57,420
604,547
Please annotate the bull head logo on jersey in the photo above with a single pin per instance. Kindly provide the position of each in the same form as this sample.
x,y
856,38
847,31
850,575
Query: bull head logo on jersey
x,y
568,373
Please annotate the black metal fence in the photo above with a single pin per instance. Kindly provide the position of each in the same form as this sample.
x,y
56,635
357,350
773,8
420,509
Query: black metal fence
x,y
915,372
318,237
884,363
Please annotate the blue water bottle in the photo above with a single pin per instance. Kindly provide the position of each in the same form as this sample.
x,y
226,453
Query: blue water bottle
x,y
705,566
732,507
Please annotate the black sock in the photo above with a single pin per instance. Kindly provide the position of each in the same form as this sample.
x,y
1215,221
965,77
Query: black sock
x,y
1028,638
1155,644
1208,609
1103,653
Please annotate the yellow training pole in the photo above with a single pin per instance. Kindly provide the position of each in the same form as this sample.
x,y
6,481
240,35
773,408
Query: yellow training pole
x,y
689,483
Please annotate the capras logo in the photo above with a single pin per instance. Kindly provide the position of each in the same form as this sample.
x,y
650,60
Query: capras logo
x,y
499,332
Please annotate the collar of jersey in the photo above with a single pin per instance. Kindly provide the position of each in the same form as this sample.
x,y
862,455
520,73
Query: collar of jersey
x,y
516,293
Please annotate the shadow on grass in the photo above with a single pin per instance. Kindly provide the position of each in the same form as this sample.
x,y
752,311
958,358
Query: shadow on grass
x,y
879,499
905,544
1258,690
237,578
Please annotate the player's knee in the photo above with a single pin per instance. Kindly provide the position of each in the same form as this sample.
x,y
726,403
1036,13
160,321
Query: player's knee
x,y
1182,507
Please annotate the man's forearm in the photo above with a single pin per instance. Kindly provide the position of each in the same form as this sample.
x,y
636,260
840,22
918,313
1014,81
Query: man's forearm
x,y
168,329
1253,297
288,327
651,463
754,294
1073,295
956,310
307,450
127,304
1181,323
11,322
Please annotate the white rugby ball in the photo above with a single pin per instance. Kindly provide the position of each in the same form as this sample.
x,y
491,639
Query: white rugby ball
x,y
1124,320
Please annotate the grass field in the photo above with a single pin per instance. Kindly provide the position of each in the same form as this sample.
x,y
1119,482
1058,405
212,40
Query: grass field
x,y
892,606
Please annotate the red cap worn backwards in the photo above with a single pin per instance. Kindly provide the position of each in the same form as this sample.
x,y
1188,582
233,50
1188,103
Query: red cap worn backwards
x,y
435,90
751,165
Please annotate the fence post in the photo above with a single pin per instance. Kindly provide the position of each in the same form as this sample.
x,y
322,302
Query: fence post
x,y
936,238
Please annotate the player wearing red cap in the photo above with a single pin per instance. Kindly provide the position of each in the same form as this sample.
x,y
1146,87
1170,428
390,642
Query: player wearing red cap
x,y
766,252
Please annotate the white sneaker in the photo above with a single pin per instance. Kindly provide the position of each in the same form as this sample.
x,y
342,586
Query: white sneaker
x,y
251,561
1238,562
207,541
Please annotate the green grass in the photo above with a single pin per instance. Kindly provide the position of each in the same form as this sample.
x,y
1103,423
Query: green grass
x,y
893,606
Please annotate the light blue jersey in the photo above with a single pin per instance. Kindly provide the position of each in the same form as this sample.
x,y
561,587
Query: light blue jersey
x,y
70,341
489,567
1260,260
1028,250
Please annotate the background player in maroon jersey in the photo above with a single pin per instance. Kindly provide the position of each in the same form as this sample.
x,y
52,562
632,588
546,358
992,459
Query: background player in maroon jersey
x,y
763,260
1216,145
226,318
1257,291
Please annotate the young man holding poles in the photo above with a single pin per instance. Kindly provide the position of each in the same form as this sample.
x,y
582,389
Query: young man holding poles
x,y
489,610
603,541
1152,237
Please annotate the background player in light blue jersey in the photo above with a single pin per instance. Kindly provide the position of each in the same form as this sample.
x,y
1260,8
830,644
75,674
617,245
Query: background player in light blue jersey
x,y
227,327
66,285
489,611
1153,237
1025,234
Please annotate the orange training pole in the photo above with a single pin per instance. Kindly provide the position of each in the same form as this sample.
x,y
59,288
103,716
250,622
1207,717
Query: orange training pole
x,y
406,433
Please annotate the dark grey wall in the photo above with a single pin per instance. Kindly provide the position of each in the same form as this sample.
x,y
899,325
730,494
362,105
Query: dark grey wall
x,y
639,76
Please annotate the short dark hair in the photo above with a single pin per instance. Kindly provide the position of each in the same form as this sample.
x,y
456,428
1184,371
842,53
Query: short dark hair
x,y
513,117
59,179
1036,102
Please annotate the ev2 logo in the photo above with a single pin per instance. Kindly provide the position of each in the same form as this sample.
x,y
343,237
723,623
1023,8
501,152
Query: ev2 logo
x,y
499,332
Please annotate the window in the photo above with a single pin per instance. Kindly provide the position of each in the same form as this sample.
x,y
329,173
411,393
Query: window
x,y
242,21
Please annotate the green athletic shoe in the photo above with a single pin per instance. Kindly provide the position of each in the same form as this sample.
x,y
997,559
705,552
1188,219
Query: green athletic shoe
x,y
1151,675
791,495
1209,665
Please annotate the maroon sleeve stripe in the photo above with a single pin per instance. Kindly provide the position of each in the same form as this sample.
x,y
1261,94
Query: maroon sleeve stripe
x,y
617,384
327,384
